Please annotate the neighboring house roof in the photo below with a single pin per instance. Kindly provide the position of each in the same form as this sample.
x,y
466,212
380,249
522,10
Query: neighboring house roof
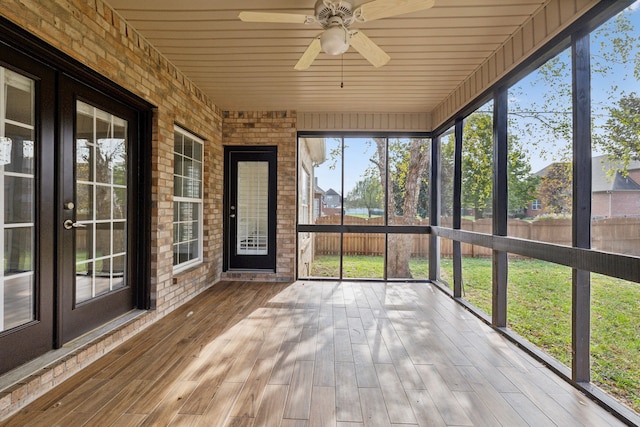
x,y
605,181
332,192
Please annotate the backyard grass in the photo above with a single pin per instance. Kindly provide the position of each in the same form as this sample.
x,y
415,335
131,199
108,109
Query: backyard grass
x,y
362,267
539,309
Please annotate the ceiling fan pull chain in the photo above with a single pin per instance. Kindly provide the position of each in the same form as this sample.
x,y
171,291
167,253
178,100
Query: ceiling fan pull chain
x,y
341,71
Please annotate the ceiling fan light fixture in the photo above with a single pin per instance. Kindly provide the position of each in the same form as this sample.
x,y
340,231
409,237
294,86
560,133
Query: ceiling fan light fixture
x,y
335,40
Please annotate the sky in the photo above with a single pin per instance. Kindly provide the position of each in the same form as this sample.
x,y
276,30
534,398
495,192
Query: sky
x,y
528,94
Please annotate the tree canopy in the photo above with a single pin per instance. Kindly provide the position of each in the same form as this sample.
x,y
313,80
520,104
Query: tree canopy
x,y
366,193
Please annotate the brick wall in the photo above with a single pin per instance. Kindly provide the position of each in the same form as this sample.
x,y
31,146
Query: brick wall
x,y
274,128
93,34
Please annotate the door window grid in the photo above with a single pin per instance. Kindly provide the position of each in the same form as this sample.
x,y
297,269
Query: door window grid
x,y
253,208
101,171
188,203
17,95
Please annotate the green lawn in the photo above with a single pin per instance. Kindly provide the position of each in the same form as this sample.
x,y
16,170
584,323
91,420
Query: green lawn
x,y
539,309
362,267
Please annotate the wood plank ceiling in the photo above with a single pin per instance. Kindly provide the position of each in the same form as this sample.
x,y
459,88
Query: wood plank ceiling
x,y
249,66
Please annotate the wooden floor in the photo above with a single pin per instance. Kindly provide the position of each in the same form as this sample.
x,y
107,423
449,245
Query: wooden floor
x,y
316,354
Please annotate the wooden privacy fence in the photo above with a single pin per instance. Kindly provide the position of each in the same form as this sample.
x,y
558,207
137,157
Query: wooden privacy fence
x,y
617,235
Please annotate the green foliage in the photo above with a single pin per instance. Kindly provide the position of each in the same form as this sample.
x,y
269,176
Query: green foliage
x,y
547,124
409,160
367,193
555,190
477,168
522,184
477,163
621,139
446,174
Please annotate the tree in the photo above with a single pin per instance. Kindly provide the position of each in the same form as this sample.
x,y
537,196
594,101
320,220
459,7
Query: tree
x,y
477,168
615,66
556,189
446,175
621,139
522,184
477,160
409,161
367,193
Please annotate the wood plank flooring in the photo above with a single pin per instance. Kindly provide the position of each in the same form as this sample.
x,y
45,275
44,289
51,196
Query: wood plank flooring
x,y
316,354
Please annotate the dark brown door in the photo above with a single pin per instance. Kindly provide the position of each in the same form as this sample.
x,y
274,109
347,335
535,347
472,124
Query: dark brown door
x,y
250,205
28,188
96,213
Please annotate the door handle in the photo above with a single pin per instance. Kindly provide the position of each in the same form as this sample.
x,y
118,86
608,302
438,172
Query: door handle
x,y
69,224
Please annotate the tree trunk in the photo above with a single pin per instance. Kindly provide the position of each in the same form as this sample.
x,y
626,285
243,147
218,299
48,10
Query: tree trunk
x,y
399,245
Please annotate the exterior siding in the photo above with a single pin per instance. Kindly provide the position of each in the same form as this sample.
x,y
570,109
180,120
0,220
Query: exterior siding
x,y
328,121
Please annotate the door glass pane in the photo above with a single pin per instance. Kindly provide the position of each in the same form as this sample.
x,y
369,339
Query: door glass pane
x,y
252,207
17,151
101,202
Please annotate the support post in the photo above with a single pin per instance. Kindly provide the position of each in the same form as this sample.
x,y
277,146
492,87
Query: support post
x,y
457,207
500,206
581,214
434,212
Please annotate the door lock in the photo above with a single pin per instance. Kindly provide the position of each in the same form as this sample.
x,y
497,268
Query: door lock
x,y
69,224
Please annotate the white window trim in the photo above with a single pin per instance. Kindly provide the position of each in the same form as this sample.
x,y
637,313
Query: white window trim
x,y
177,268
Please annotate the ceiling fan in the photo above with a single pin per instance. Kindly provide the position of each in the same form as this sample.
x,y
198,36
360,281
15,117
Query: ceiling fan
x,y
335,16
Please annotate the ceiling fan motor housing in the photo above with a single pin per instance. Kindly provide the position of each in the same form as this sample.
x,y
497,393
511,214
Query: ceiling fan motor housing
x,y
326,9
335,39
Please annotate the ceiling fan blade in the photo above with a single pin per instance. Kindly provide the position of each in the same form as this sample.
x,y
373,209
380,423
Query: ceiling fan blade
x,y
378,9
309,55
367,48
281,18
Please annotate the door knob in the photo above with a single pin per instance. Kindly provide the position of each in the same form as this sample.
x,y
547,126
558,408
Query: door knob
x,y
69,224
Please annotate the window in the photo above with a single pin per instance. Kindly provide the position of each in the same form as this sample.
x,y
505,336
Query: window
x,y
536,205
187,200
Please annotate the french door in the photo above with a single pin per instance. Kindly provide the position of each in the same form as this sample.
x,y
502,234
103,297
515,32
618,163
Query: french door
x,y
95,233
250,205
72,228
28,224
